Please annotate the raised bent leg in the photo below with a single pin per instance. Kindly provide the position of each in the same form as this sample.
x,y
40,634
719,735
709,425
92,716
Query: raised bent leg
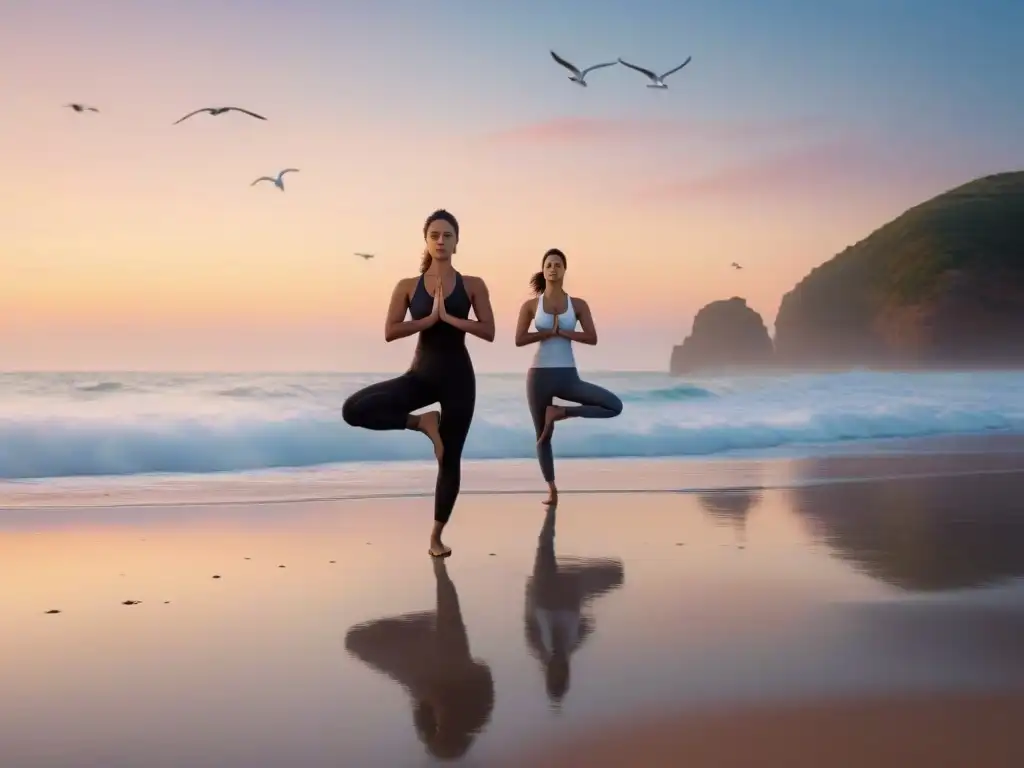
x,y
386,405
594,402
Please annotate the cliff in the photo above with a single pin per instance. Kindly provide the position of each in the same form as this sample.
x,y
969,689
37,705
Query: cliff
x,y
726,334
941,285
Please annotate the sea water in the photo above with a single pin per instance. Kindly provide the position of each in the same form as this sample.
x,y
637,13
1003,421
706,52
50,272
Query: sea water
x,y
55,425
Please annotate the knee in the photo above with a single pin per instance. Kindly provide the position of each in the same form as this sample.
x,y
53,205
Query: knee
x,y
615,405
451,461
351,413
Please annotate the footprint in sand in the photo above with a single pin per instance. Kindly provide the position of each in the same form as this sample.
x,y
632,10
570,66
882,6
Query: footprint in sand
x,y
130,602
53,610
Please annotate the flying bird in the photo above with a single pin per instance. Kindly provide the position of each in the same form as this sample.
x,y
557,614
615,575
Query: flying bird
x,y
81,108
278,181
366,256
657,81
734,265
220,111
579,76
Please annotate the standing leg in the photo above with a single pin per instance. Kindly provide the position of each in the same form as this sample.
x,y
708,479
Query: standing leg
x,y
388,405
595,402
458,402
539,396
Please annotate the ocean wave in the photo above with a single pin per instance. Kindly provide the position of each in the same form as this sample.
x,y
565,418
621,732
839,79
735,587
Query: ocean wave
x,y
101,386
69,425
67,447
260,393
671,394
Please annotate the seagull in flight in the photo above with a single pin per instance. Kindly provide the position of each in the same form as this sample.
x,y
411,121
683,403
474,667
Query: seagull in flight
x,y
734,265
278,181
220,111
81,108
657,81
364,256
579,76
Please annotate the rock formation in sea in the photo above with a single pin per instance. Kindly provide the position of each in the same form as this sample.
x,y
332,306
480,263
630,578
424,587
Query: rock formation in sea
x,y
726,335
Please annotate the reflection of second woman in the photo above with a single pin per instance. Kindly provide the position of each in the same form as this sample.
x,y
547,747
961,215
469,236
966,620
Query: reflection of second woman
x,y
556,595
553,373
428,654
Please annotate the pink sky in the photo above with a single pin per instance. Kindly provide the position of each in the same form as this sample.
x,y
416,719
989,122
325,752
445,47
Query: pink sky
x,y
130,243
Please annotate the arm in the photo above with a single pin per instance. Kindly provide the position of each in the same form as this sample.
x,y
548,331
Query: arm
x,y
588,334
524,335
395,325
483,326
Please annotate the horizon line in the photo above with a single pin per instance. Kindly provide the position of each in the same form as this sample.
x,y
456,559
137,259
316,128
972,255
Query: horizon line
x,y
280,372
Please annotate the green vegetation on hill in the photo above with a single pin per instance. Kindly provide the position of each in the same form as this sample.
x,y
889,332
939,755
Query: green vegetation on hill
x,y
835,311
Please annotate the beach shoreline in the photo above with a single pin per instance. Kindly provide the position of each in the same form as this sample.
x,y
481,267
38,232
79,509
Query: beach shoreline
x,y
857,460
216,632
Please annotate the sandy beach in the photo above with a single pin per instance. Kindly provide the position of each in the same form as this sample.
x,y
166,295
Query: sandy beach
x,y
761,626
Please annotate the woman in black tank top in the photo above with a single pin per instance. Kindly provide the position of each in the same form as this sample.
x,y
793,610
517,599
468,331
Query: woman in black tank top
x,y
439,301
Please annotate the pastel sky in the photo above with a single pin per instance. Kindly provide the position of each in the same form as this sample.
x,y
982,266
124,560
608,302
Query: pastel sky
x,y
798,128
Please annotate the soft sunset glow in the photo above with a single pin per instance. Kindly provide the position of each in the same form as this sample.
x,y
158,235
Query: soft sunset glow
x,y
131,243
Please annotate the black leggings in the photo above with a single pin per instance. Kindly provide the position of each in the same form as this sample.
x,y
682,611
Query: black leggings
x,y
386,405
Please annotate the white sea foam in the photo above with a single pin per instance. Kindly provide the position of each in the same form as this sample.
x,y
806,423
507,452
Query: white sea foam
x,y
65,425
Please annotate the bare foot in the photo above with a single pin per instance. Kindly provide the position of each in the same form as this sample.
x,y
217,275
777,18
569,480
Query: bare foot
x,y
437,549
429,424
552,495
552,414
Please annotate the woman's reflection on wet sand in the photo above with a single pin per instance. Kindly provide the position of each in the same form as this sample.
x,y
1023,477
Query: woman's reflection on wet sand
x,y
732,508
556,594
428,654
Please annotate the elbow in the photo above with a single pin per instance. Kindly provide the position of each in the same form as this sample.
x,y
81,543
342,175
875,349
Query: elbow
x,y
591,339
389,334
520,341
488,335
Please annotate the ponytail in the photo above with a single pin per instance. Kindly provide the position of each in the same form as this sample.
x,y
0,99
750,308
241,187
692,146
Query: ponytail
x,y
425,262
538,283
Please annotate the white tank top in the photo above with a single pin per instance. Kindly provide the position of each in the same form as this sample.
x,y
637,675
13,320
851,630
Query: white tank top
x,y
555,352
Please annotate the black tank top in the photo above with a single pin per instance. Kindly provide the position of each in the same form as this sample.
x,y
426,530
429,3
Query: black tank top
x,y
442,344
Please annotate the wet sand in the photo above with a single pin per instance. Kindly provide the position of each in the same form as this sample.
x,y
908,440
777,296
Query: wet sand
x,y
951,730
706,614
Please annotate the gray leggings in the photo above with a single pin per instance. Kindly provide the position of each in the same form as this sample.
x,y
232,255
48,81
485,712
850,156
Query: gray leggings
x,y
545,384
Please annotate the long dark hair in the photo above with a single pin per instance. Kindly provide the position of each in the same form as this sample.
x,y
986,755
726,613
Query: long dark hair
x,y
537,282
439,215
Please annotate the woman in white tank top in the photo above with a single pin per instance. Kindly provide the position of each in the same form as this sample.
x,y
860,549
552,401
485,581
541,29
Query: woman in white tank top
x,y
554,315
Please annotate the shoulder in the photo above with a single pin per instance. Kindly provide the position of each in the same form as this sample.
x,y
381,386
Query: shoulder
x,y
474,284
406,284
580,304
530,305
